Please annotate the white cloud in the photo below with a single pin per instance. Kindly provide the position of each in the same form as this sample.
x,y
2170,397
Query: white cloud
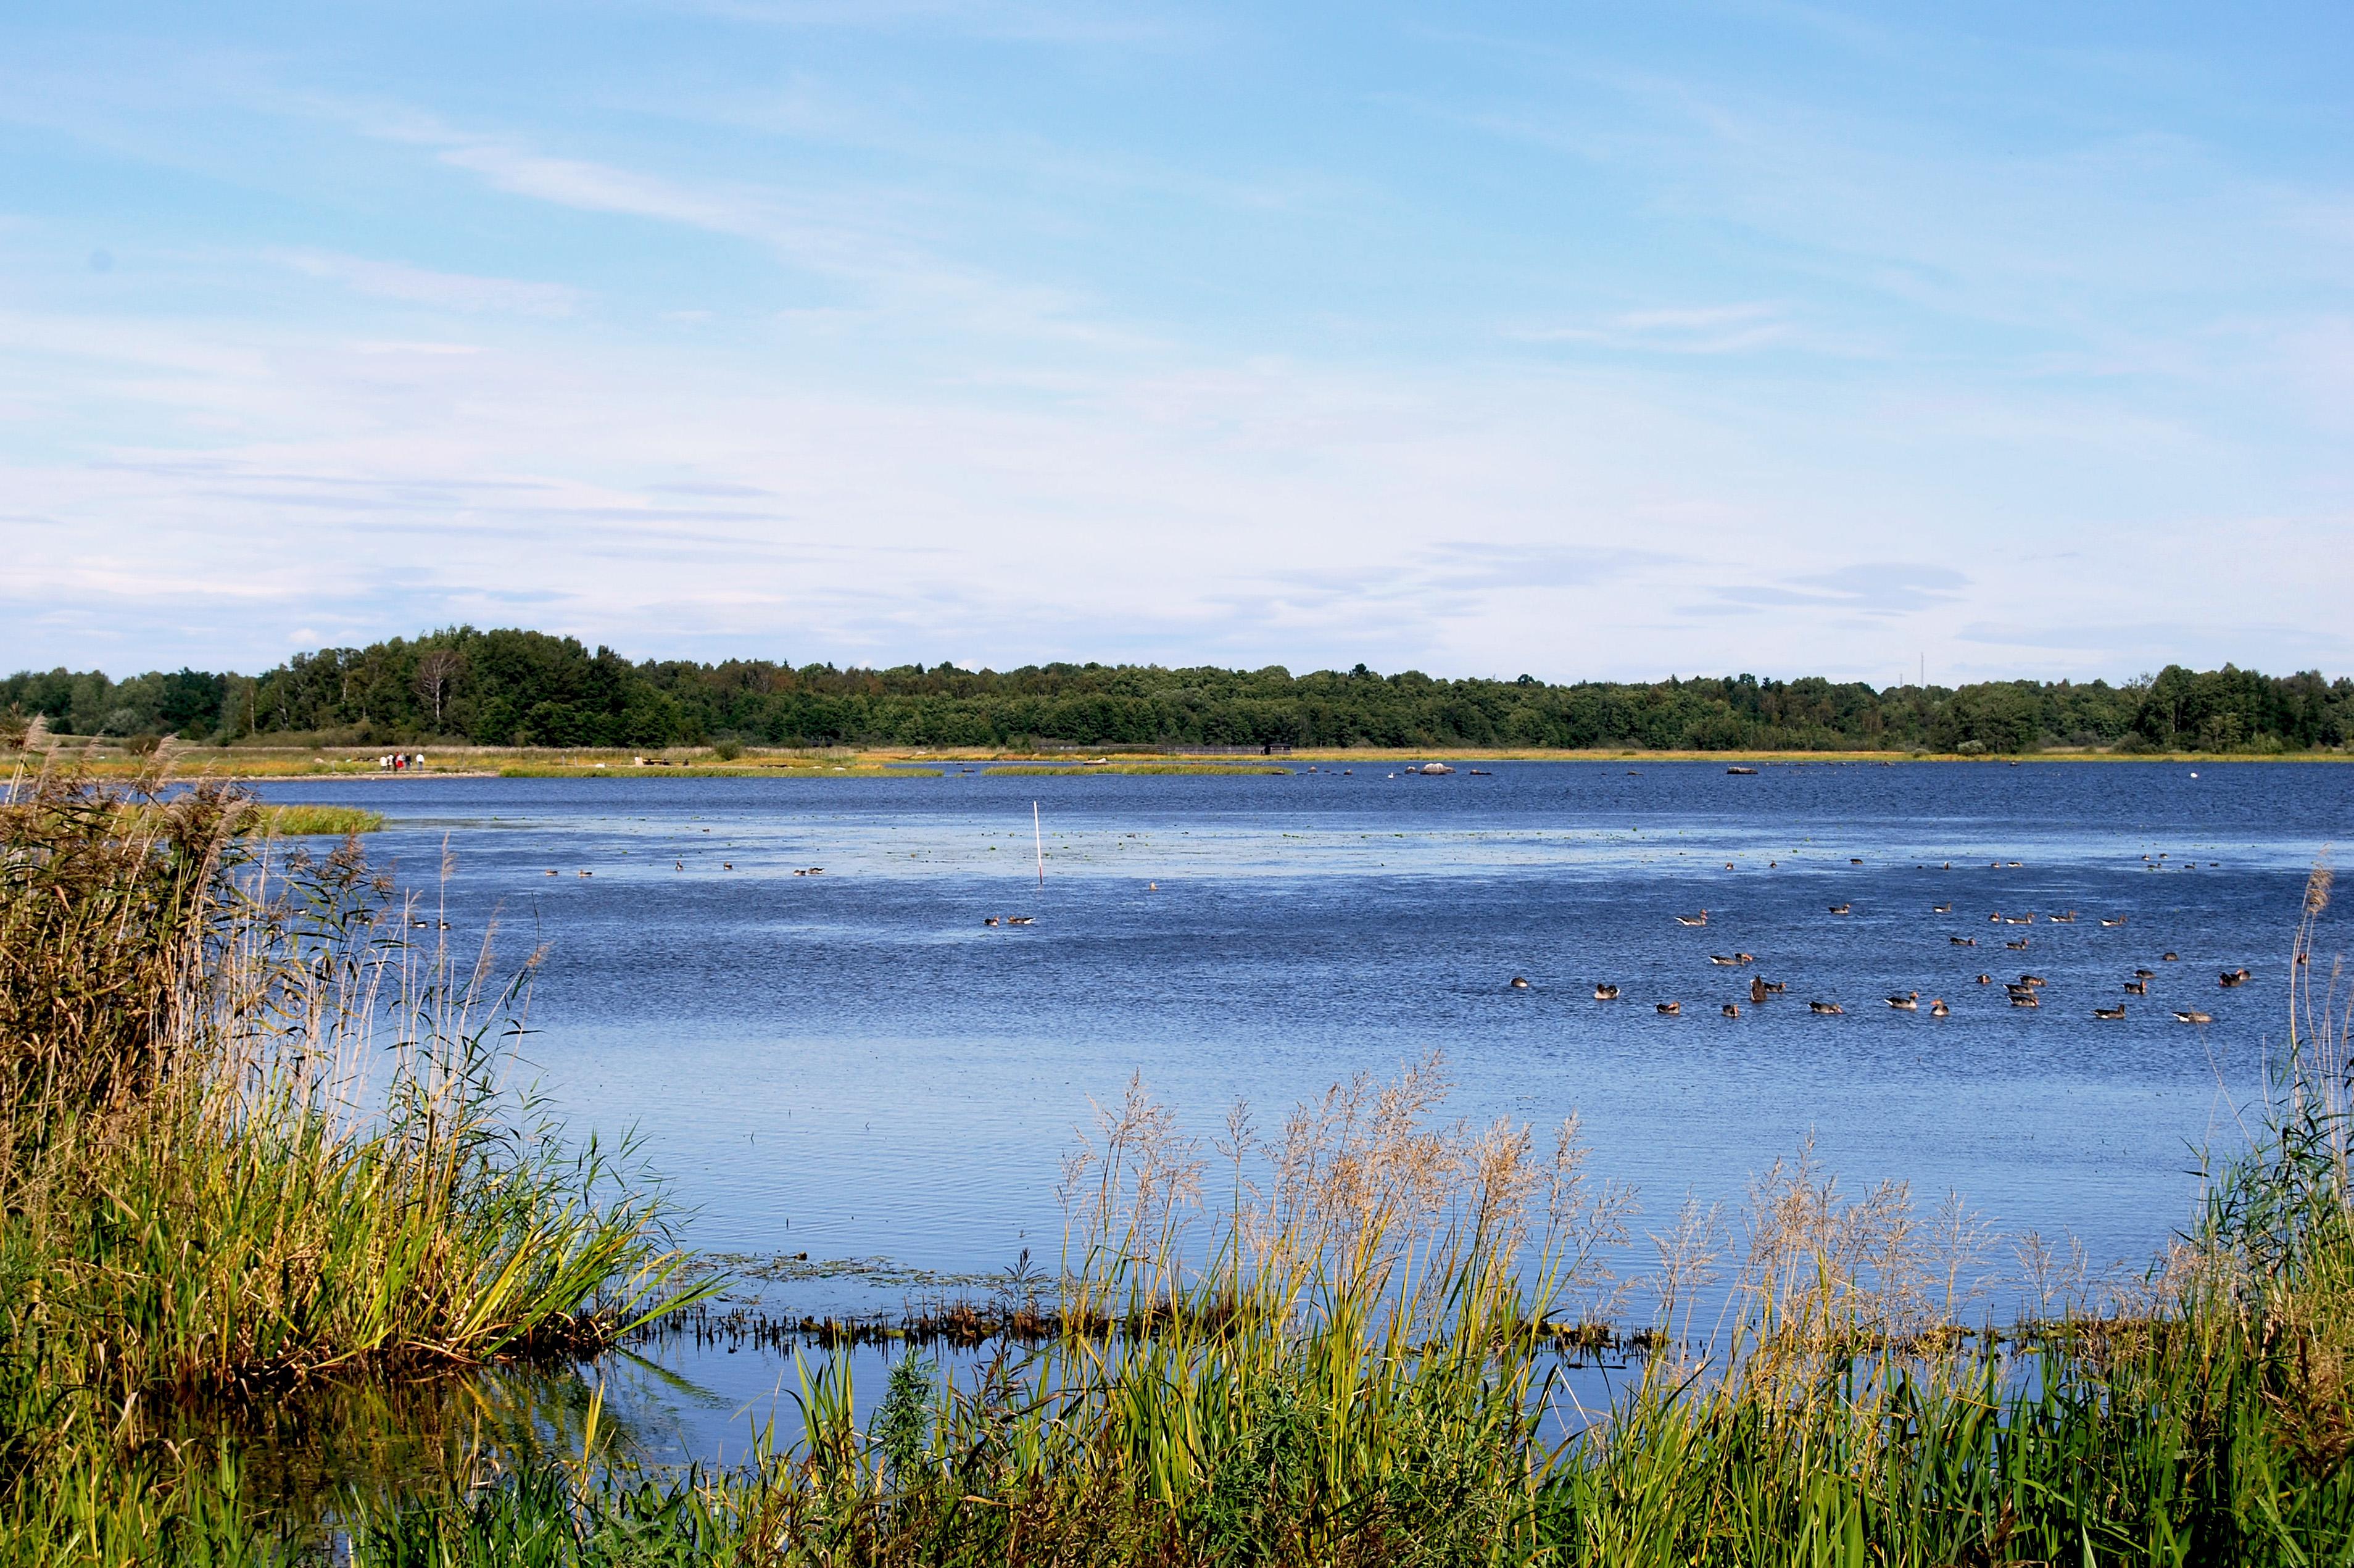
x,y
418,285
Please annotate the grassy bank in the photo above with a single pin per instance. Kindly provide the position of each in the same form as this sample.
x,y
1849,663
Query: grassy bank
x,y
250,1137
252,761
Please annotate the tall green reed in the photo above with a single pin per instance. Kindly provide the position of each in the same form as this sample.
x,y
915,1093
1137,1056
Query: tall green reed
x,y
254,1134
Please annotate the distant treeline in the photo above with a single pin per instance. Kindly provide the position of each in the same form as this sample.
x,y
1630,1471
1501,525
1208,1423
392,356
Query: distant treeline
x,y
525,688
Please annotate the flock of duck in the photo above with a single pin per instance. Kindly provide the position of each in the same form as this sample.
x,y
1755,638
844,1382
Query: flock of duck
x,y
2025,992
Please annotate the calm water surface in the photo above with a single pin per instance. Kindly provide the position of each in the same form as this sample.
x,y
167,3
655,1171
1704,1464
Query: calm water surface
x,y
852,1065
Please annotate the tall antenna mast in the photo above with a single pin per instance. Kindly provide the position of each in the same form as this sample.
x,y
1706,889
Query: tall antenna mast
x,y
1040,834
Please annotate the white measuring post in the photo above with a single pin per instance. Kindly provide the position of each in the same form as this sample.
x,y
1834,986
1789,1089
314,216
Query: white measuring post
x,y
1040,834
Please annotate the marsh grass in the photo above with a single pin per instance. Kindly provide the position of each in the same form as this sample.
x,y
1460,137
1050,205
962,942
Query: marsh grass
x,y
1352,1354
251,1137
1187,769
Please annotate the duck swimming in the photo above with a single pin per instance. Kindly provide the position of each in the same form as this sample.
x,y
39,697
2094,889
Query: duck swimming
x,y
2230,978
2018,946
2194,1016
1672,1009
1698,919
2118,921
1519,984
1757,991
1825,1006
1603,992
1910,1001
1840,908
1937,1008
1963,941
2136,988
1941,909
2117,1011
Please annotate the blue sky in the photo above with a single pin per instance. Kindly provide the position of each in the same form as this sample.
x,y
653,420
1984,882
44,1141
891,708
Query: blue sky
x,y
1588,341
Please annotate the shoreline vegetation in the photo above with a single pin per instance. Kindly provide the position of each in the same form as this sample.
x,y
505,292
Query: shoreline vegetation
x,y
322,758
461,686
256,1142
252,1138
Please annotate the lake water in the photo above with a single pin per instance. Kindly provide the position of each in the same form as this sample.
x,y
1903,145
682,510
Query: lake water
x,y
855,1066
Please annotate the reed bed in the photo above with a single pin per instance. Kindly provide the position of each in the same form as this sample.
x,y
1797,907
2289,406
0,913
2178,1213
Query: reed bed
x,y
244,815
1352,1354
253,1136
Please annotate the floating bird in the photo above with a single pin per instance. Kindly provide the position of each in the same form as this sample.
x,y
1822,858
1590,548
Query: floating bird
x,y
1519,984
989,920
1840,908
1730,960
1963,941
2117,1011
2136,988
1605,992
1731,1011
2169,958
1021,919
681,865
726,865
1670,1008
1937,1008
551,874
1757,991
1985,979
587,873
2194,1016
2230,978
1825,1006
2020,946
2019,919
1776,985
1152,887
1728,865
2030,980
1698,919
2025,999
1909,1003
1996,917
1855,860
2118,921
2145,974
2066,918
1941,909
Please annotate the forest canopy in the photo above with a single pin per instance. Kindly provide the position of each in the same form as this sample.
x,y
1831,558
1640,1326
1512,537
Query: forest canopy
x,y
527,688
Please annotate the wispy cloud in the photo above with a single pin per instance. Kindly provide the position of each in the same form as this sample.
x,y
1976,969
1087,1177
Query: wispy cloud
x,y
1876,589
418,285
1708,329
